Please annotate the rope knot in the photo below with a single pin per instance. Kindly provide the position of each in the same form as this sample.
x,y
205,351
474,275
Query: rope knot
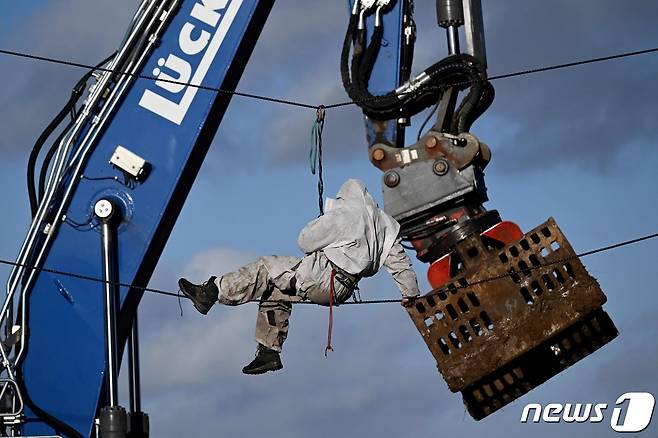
x,y
319,113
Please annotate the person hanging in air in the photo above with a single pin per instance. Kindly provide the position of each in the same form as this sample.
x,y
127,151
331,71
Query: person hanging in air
x,y
353,239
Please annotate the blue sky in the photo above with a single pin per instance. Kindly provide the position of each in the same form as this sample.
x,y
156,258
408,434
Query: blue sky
x,y
578,145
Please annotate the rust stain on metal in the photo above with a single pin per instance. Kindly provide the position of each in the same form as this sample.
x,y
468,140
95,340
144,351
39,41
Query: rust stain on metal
x,y
378,154
431,142
496,340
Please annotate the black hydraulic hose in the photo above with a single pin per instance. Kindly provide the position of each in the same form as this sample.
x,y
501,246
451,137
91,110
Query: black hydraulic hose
x,y
462,117
460,71
465,109
488,95
32,161
369,58
77,91
355,68
345,57
350,76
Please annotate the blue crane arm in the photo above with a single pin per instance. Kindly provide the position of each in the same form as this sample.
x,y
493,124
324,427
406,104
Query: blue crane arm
x,y
388,70
60,361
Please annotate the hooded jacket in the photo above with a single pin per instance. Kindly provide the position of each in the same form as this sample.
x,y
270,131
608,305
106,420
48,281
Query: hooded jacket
x,y
359,238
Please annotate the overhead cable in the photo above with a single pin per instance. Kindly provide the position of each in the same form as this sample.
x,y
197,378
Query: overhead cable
x,y
315,106
383,301
152,78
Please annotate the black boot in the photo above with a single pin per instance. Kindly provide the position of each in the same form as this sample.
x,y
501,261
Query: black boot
x,y
266,360
203,296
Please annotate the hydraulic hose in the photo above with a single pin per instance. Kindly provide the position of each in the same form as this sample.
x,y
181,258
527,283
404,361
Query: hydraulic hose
x,y
357,59
369,58
486,99
460,71
32,161
77,91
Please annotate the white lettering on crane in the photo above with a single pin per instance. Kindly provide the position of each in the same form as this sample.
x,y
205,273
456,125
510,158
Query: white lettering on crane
x,y
175,74
206,11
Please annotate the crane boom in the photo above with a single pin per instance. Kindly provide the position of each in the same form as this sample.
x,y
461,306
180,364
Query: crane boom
x,y
137,143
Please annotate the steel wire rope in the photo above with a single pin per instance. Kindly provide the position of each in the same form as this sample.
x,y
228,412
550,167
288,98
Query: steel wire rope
x,y
153,78
382,301
314,106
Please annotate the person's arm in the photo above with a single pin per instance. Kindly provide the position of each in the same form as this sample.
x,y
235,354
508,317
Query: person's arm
x,y
398,264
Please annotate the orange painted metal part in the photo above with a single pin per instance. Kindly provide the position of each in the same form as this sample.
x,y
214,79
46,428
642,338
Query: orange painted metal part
x,y
439,272
505,232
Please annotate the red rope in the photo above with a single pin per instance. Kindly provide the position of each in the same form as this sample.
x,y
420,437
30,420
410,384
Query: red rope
x,y
332,292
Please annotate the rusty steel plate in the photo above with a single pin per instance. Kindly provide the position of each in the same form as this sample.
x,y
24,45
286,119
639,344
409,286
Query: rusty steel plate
x,y
512,318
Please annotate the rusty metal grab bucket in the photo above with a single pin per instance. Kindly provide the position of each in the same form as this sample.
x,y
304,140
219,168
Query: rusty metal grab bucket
x,y
512,318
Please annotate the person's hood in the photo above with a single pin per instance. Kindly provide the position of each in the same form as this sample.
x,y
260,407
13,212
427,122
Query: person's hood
x,y
354,233
352,192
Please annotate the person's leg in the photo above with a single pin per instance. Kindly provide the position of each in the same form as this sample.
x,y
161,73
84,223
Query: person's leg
x,y
256,279
273,319
247,283
271,280
271,331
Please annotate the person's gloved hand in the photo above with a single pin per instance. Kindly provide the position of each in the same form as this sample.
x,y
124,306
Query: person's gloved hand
x,y
408,301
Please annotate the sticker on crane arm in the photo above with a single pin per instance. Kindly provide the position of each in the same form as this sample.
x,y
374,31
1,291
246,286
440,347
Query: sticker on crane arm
x,y
206,12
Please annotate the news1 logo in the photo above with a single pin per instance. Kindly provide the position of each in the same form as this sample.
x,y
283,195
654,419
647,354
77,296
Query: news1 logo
x,y
632,412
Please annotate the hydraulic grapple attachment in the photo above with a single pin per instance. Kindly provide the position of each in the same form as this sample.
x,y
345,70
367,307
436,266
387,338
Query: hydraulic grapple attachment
x,y
513,316
508,311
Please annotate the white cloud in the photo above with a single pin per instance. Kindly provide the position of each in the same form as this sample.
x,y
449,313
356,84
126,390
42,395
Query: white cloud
x,y
216,261
193,349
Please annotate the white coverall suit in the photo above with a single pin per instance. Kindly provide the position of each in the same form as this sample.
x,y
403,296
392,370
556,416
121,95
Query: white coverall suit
x,y
353,236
